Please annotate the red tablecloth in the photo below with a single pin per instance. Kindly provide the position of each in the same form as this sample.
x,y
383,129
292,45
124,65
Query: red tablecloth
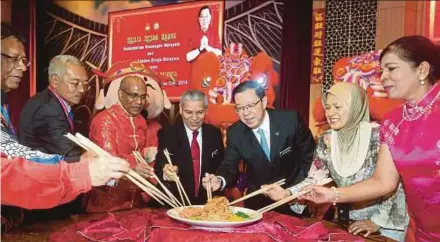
x,y
142,225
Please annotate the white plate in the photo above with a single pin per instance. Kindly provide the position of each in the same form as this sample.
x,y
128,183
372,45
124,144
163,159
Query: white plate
x,y
174,213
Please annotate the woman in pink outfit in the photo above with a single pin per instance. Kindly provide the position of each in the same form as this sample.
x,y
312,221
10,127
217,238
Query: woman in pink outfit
x,y
409,136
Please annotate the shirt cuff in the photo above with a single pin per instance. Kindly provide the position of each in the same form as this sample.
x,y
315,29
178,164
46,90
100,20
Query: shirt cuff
x,y
297,208
79,175
223,185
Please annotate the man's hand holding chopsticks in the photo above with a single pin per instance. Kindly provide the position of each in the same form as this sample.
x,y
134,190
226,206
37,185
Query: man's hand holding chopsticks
x,y
275,192
213,180
144,169
102,169
170,172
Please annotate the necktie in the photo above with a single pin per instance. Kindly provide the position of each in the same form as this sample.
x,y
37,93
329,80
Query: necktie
x,y
264,143
71,122
195,153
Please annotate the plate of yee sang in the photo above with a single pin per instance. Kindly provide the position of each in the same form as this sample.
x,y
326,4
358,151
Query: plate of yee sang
x,y
215,213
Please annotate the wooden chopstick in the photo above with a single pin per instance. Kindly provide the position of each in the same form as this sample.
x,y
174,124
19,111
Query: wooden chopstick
x,y
179,188
77,141
145,189
148,184
289,198
132,175
257,192
177,180
208,189
139,157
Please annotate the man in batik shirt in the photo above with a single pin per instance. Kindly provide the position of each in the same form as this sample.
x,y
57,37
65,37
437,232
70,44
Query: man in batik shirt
x,y
121,130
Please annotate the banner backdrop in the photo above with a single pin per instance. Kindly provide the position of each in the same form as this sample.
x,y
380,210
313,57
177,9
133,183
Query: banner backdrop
x,y
162,36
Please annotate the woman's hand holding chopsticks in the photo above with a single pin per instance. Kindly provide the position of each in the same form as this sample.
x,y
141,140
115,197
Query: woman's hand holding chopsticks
x,y
275,192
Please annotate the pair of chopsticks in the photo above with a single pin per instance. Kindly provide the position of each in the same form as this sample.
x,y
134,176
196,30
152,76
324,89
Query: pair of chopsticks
x,y
141,159
180,188
288,199
208,189
137,179
257,192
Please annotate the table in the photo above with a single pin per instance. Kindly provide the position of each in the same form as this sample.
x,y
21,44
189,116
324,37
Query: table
x,y
42,231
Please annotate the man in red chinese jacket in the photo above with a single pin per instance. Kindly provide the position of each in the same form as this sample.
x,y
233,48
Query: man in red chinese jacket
x,y
121,130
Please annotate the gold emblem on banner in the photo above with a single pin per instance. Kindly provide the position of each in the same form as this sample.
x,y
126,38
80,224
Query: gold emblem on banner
x,y
156,26
147,27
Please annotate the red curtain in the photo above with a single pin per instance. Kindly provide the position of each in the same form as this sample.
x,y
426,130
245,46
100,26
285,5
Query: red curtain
x,y
296,56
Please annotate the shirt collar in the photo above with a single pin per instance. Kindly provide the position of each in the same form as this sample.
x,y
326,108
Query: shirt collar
x,y
265,125
62,101
190,132
427,98
123,109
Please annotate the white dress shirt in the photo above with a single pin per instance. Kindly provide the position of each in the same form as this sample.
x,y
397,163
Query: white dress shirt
x,y
265,126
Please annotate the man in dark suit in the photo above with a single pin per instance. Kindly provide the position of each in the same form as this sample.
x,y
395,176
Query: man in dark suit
x,y
197,147
48,116
275,144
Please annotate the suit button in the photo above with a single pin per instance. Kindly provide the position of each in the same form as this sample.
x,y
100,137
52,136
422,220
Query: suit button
x,y
437,162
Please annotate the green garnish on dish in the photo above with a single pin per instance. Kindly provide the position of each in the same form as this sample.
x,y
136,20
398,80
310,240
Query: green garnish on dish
x,y
241,214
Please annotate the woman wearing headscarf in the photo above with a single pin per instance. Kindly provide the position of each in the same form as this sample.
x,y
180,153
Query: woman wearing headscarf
x,y
348,153
409,137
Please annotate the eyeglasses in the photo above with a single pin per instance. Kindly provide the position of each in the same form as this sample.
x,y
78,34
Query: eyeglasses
x,y
249,107
134,96
16,60
77,84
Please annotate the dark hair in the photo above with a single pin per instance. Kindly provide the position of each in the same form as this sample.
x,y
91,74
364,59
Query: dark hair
x,y
203,8
8,32
416,49
247,85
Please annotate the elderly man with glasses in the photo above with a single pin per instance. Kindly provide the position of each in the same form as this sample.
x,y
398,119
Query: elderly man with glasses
x,y
48,115
121,130
275,144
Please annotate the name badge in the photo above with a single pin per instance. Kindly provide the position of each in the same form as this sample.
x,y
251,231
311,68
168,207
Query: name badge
x,y
214,153
285,151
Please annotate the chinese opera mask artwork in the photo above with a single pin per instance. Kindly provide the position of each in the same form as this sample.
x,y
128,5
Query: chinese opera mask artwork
x,y
365,71
218,76
157,98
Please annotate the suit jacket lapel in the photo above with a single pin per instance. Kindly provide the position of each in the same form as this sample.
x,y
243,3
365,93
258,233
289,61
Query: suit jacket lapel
x,y
254,143
186,160
275,135
54,99
205,150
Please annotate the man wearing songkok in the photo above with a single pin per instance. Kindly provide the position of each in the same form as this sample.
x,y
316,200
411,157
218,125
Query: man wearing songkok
x,y
121,130
197,147
48,115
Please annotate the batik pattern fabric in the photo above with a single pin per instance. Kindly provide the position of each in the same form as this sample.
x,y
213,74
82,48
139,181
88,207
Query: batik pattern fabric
x,y
12,149
388,212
